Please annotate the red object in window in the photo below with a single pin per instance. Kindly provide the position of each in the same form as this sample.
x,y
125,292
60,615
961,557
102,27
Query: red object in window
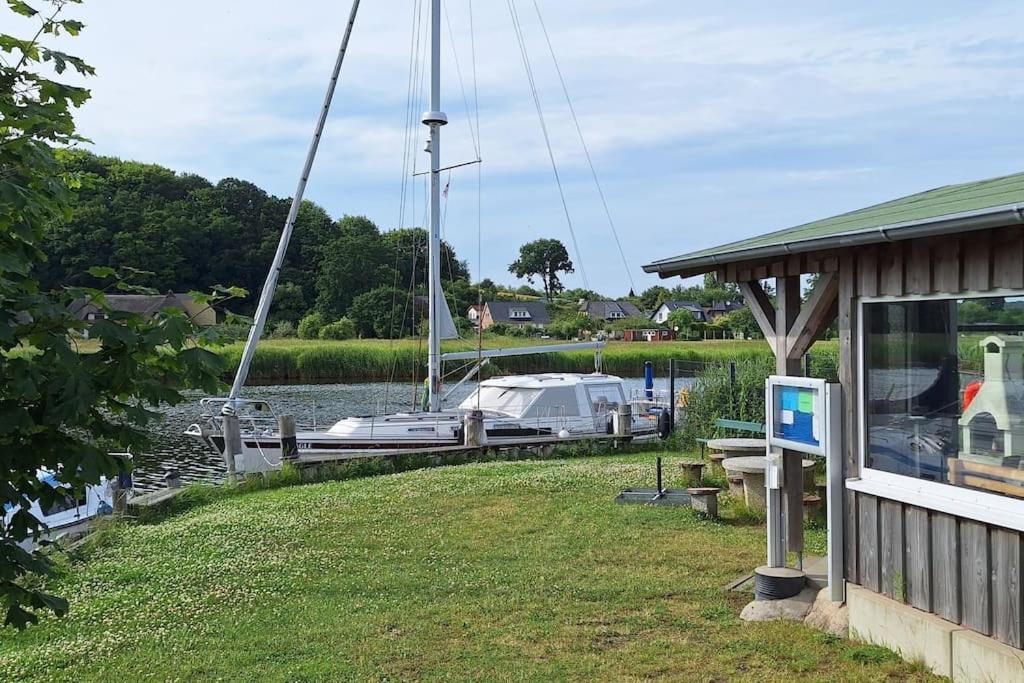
x,y
971,391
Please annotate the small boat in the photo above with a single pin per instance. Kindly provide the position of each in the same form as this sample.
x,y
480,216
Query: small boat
x,y
70,514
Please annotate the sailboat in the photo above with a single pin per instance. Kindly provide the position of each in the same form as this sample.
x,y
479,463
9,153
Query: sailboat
x,y
503,412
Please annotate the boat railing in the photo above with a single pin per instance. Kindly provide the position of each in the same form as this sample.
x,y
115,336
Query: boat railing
x,y
256,414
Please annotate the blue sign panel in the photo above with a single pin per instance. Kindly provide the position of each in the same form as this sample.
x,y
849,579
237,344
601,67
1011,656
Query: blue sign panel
x,y
795,418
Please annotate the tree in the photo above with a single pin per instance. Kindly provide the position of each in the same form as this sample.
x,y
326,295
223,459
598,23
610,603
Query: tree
x,y
571,325
682,321
310,325
543,258
573,296
64,410
289,303
355,261
409,248
653,297
742,320
385,312
338,330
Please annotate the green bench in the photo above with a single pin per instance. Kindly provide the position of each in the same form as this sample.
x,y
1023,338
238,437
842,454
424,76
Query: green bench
x,y
736,425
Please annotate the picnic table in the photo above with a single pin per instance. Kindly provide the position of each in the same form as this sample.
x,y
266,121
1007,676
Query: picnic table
x,y
735,447
752,470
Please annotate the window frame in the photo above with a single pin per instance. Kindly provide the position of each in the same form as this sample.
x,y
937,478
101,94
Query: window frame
x,y
981,506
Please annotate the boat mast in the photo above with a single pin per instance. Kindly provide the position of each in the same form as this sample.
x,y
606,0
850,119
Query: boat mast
x,y
270,285
435,118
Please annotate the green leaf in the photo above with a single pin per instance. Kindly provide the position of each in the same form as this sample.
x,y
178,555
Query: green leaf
x,y
101,272
22,8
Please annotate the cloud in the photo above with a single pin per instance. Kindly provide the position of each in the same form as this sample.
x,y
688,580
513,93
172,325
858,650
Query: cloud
x,y
804,94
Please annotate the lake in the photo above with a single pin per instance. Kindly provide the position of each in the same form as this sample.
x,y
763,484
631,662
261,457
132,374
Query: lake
x,y
322,403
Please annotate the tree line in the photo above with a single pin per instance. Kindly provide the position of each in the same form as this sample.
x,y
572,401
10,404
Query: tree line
x,y
183,233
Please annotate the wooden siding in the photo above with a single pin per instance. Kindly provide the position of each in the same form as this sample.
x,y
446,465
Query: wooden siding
x,y
964,571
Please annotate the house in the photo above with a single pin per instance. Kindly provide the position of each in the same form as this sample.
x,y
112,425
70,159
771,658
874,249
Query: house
x,y
930,521
719,308
663,311
609,311
649,335
517,313
146,305
474,312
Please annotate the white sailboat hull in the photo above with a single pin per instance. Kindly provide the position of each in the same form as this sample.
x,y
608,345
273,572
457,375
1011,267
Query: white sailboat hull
x,y
540,410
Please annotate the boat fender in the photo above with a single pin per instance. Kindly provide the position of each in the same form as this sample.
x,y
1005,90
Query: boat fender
x,y
664,428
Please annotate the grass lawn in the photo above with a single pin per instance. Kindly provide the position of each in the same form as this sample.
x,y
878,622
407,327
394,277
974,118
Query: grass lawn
x,y
497,571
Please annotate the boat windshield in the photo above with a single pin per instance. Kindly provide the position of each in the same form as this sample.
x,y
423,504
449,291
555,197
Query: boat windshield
x,y
511,401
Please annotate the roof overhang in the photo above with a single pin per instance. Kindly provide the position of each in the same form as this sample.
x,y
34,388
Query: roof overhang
x,y
982,219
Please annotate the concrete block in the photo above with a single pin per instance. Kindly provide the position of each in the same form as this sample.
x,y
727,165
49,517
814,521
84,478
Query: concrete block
x,y
917,636
980,658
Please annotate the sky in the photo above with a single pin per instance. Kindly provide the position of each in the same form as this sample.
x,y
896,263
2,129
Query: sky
x,y
706,122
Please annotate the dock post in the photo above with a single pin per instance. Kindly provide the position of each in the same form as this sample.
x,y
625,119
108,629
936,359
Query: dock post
x,y
622,423
475,435
232,444
120,487
289,443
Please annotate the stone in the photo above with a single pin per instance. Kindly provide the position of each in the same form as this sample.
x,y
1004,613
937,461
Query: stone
x,y
704,500
830,617
790,609
693,471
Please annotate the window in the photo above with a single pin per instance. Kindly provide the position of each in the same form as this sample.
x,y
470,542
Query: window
x,y
519,314
943,383
511,401
555,402
616,315
605,398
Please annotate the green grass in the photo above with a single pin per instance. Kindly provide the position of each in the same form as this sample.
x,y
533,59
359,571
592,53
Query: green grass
x,y
494,571
290,361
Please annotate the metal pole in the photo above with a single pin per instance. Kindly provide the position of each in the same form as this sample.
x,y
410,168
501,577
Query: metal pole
x,y
672,394
270,286
435,118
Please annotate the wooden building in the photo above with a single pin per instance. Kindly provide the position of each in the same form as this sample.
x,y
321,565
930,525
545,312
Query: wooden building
x,y
928,291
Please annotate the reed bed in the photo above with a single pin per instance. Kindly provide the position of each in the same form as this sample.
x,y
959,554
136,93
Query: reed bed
x,y
300,361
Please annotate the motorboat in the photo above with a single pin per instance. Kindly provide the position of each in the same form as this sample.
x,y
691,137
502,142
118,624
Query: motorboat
x,y
70,514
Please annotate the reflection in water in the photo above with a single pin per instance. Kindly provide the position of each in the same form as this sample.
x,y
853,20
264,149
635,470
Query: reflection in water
x,y
324,403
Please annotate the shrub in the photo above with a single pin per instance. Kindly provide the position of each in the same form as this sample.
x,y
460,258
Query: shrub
x,y
310,326
283,330
338,330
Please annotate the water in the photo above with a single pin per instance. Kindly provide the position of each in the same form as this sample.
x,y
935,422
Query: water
x,y
323,403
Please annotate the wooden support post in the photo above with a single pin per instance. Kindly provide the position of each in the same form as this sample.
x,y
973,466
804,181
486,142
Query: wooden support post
x,y
787,311
816,314
761,307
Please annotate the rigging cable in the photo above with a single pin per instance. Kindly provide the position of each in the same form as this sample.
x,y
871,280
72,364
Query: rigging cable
x,y
409,144
583,143
479,212
544,129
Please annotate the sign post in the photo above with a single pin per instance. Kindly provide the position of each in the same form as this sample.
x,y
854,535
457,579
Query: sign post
x,y
805,414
